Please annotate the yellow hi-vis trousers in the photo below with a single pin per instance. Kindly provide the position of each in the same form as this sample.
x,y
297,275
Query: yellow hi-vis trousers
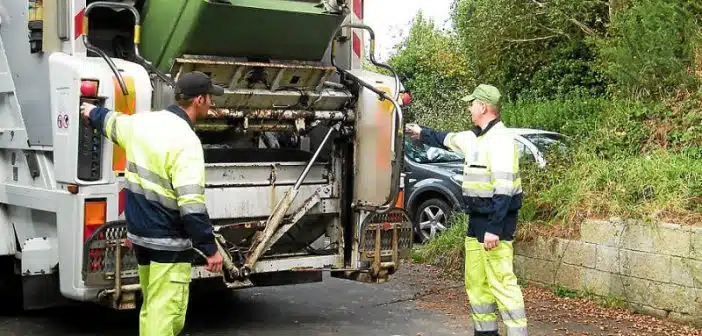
x,y
491,285
166,288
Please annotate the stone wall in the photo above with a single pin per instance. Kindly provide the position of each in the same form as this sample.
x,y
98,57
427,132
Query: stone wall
x,y
656,269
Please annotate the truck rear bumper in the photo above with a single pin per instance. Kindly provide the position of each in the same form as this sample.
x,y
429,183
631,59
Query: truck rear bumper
x,y
110,267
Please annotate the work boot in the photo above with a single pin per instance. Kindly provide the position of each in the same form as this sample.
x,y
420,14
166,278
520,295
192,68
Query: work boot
x,y
486,333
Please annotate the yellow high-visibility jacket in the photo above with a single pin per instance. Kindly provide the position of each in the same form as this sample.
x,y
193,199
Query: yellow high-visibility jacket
x,y
492,185
165,189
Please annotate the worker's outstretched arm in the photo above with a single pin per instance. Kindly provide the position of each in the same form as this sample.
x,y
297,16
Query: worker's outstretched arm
x,y
187,173
433,138
458,142
112,124
504,160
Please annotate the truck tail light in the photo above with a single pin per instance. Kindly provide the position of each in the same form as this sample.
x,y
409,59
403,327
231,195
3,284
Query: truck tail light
x,y
94,213
406,98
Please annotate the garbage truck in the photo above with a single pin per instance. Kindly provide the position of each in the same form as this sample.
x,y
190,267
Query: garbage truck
x,y
302,152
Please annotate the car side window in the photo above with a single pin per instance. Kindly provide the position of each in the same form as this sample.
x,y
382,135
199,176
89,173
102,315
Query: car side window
x,y
524,152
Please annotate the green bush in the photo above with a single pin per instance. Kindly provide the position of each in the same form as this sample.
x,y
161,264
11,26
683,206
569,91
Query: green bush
x,y
447,250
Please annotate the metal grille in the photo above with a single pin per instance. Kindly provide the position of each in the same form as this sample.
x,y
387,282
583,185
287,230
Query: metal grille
x,y
101,248
394,223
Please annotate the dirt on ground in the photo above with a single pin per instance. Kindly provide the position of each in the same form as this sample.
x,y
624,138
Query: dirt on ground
x,y
548,314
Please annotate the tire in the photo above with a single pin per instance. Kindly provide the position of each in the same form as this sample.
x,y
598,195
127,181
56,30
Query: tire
x,y
10,287
432,217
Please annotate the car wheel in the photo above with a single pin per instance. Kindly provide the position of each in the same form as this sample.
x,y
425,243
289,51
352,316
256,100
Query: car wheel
x,y
432,218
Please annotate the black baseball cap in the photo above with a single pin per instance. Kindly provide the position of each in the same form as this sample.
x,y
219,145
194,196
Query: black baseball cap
x,y
193,84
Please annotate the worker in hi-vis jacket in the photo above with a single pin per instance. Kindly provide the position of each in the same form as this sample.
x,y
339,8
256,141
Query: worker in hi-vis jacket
x,y
492,195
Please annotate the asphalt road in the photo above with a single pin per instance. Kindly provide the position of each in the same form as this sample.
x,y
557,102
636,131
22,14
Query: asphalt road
x,y
334,307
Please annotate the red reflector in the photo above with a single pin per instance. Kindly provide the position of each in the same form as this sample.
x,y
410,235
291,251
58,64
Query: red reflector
x,y
78,24
358,8
356,45
122,201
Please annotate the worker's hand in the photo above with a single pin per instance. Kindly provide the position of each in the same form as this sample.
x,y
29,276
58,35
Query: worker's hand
x,y
413,130
214,263
491,241
85,109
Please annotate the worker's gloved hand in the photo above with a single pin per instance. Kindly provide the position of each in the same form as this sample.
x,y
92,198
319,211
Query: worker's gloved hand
x,y
414,130
214,263
85,109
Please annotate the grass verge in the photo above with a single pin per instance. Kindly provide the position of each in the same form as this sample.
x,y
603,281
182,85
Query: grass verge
x,y
447,250
609,301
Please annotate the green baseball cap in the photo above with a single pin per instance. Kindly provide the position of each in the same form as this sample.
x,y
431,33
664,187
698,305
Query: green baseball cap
x,y
484,93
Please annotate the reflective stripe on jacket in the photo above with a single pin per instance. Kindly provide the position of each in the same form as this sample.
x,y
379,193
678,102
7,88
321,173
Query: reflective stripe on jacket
x,y
165,178
492,185
492,162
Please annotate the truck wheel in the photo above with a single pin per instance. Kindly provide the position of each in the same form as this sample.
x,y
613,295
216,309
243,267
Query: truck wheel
x,y
432,217
10,287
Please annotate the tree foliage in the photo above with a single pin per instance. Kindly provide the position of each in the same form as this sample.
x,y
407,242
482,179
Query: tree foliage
x,y
620,77
532,48
433,68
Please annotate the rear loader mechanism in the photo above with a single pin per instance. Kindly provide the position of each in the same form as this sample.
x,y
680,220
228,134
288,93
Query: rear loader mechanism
x,y
268,97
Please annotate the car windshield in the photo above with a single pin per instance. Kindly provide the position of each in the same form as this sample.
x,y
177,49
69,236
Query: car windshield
x,y
422,153
545,141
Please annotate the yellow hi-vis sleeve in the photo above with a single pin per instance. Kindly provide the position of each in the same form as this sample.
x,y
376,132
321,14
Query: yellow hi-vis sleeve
x,y
117,127
460,142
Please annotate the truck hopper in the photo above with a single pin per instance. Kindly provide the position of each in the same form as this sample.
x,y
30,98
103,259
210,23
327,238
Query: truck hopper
x,y
292,30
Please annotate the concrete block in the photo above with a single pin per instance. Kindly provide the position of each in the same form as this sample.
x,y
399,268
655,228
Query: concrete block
x,y
648,310
601,232
672,240
543,248
686,272
519,266
608,259
602,283
638,290
696,244
538,270
673,298
646,265
569,276
638,237
685,318
524,248
580,253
